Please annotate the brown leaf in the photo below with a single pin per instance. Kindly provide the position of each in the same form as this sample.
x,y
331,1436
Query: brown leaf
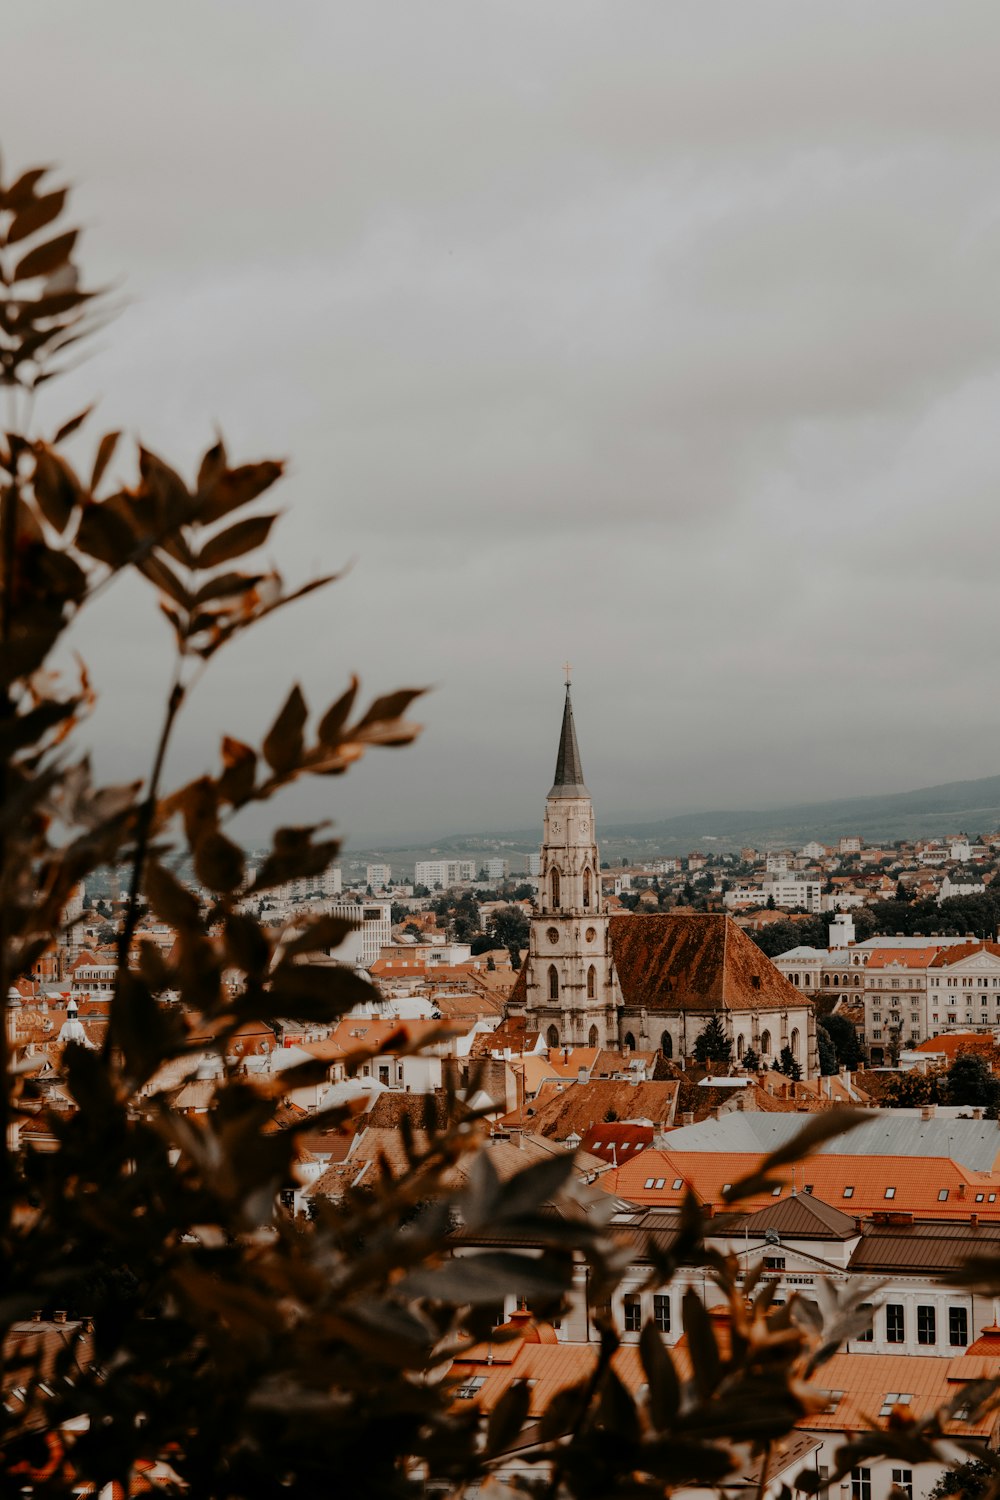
x,y
391,706
57,489
103,533
218,862
166,488
236,540
156,570
36,215
235,487
197,803
71,426
283,744
171,901
246,944
105,452
236,783
21,192
336,715
225,584
212,466
46,258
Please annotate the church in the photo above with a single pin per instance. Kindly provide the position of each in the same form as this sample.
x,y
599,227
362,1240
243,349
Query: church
x,y
594,978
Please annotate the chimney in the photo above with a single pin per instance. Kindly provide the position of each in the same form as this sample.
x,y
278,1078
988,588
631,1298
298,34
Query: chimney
x,y
582,1075
687,1116
59,1316
973,1220
977,1113
961,1189
928,1111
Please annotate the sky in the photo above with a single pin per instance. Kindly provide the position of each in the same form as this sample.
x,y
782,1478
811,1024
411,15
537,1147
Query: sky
x,y
661,338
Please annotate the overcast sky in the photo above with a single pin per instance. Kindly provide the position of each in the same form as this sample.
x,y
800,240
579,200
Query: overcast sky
x,y
661,337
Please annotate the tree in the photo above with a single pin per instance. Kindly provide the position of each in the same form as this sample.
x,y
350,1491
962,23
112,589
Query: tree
x,y
844,1037
827,1051
966,1481
751,1061
712,1044
969,1081
510,929
788,1065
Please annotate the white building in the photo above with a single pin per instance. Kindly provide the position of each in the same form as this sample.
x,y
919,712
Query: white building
x,y
371,929
443,872
378,876
497,869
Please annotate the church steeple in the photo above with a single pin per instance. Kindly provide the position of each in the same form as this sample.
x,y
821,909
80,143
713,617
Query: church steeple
x,y
569,772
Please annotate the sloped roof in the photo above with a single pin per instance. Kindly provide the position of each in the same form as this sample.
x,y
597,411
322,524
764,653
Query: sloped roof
x,y
669,961
923,1247
962,951
803,1217
560,1112
569,771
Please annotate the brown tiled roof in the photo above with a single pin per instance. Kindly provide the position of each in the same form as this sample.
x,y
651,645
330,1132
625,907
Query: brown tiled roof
x,y
956,953
924,1247
702,962
803,1217
575,1108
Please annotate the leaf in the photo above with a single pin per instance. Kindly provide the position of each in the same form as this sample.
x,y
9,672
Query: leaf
x,y
706,1366
171,901
68,428
105,453
235,541
390,707
246,944
486,1277
46,258
22,190
235,487
336,715
166,488
508,1417
225,584
36,215
218,862
236,783
212,466
104,534
282,745
664,1387
57,489
159,573
323,933
528,1191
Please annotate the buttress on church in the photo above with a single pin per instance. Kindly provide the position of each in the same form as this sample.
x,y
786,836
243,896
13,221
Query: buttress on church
x,y
594,978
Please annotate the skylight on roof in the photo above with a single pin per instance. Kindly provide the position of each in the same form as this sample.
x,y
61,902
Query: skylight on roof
x,y
848,1192
649,1182
776,1192
678,1184
890,1192
943,1195
893,1399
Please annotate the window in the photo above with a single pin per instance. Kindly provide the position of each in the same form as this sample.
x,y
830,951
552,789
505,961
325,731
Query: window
x,y
660,1182
648,1183
592,983
774,1262
678,1184
926,1325
895,1327
867,1335
555,888
633,1313
848,1192
943,1195
893,1399
661,1312
890,1192
958,1327
861,1484
553,982
776,1192
833,1400
902,1479
980,1197
471,1387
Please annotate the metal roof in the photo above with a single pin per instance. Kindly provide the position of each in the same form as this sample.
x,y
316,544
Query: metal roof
x,y
974,1144
923,1247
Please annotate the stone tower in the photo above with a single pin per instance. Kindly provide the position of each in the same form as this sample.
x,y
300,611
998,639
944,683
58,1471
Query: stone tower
x,y
569,991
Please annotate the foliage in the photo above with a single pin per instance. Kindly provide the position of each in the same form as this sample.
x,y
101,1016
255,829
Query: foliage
x,y
788,1065
970,1081
262,1353
751,1061
910,1090
826,1050
844,1036
509,927
712,1044
967,1481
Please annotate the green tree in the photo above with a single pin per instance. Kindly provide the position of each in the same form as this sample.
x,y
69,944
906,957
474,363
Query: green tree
x,y
712,1044
969,1081
788,1065
510,929
966,1481
844,1036
827,1051
751,1061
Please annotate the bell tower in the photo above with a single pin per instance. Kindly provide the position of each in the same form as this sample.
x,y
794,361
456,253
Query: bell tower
x,y
569,982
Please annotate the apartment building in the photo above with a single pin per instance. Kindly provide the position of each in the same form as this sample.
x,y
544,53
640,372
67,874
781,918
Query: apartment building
x,y
443,872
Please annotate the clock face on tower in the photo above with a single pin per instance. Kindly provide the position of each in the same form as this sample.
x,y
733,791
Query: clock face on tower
x,y
556,826
584,826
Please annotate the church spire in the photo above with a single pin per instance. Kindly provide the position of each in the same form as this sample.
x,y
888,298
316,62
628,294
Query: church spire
x,y
569,772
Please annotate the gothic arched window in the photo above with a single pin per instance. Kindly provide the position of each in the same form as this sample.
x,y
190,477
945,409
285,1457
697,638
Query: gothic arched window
x,y
556,894
586,887
740,1047
552,1037
794,1042
553,982
629,1041
667,1044
765,1044
591,982
592,1038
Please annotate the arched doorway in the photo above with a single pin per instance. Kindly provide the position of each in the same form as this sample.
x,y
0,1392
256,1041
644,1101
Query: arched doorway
x,y
629,1042
552,1036
740,1048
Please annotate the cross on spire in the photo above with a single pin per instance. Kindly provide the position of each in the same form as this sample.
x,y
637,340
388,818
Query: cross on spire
x,y
567,668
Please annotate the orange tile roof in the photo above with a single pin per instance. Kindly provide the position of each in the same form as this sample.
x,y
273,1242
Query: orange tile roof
x,y
953,1042
865,1381
917,1182
903,958
955,954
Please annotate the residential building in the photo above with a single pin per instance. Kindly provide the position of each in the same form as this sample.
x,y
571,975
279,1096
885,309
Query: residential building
x,y
443,872
497,870
378,876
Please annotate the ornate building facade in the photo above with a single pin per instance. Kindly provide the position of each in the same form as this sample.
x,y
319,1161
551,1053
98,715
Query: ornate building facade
x,y
599,979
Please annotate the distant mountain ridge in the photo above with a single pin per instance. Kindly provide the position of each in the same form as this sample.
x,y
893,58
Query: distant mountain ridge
x,y
972,806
